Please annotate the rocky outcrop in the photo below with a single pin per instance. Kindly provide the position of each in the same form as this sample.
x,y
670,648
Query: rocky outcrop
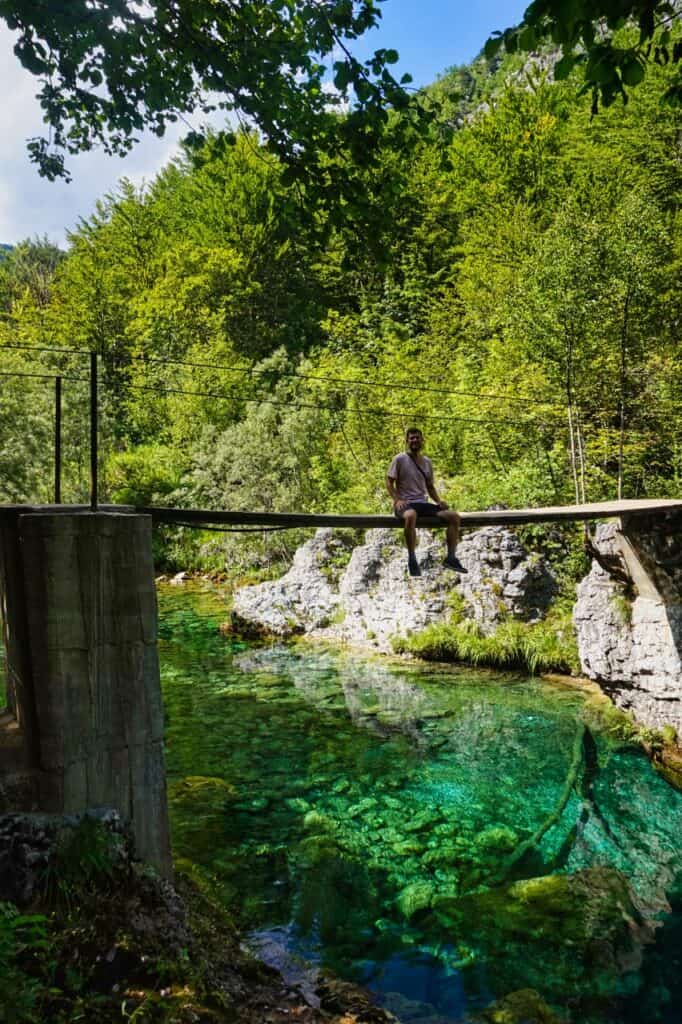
x,y
628,620
628,614
362,594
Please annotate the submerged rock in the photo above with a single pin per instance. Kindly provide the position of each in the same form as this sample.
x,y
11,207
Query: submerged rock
x,y
415,897
526,1006
372,598
497,839
554,929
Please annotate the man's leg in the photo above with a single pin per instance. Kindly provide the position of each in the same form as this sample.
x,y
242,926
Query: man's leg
x,y
410,518
452,539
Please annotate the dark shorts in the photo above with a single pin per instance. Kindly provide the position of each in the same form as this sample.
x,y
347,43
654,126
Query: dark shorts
x,y
422,508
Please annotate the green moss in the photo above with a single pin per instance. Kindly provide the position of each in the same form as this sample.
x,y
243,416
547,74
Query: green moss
x,y
669,734
551,925
498,839
457,607
414,898
622,605
601,715
525,1006
317,823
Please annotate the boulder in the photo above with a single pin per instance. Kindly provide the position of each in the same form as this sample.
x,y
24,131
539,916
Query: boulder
x,y
372,598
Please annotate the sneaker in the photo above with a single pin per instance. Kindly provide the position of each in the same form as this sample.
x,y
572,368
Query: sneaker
x,y
413,566
453,562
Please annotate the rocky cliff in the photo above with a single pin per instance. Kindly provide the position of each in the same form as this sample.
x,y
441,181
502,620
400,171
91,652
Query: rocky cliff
x,y
363,595
628,619
628,613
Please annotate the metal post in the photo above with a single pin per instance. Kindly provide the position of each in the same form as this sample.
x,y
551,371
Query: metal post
x,y
93,432
58,440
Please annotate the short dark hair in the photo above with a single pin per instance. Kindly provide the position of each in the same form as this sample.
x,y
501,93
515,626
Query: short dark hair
x,y
413,430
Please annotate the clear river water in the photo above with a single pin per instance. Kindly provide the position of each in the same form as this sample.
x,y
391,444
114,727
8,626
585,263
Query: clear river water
x,y
469,846
443,836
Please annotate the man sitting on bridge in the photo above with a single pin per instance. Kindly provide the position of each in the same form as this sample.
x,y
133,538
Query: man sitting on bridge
x,y
410,477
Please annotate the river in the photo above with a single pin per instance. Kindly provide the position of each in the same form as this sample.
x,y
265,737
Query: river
x,y
444,836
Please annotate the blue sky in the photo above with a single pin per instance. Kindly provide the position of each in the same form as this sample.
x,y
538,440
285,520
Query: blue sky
x,y
433,35
430,35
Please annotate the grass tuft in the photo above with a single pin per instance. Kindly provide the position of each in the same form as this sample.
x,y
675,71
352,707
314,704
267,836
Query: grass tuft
x,y
545,646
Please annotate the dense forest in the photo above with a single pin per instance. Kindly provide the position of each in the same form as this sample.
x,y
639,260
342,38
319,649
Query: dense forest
x,y
510,283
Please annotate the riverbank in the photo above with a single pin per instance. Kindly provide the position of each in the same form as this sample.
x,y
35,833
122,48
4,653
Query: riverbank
x,y
87,932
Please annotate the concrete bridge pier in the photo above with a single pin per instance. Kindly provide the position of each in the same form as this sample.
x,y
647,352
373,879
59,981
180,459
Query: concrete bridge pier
x,y
84,722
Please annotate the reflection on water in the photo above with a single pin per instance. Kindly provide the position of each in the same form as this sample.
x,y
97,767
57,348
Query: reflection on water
x,y
445,837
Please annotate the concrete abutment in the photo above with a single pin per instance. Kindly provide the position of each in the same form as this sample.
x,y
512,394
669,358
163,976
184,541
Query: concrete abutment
x,y
84,722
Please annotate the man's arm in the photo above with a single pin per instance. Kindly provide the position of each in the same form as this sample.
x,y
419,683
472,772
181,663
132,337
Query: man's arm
x,y
433,493
391,487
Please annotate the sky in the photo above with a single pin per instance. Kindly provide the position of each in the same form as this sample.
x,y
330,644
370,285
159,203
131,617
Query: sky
x,y
430,35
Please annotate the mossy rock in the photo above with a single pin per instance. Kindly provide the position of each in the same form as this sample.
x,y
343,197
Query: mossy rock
x,y
363,807
317,823
523,1007
422,820
297,804
442,854
497,839
554,931
414,898
393,802
406,849
316,849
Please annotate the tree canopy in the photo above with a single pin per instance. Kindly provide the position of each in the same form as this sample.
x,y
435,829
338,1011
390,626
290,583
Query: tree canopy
x,y
111,68
587,33
520,300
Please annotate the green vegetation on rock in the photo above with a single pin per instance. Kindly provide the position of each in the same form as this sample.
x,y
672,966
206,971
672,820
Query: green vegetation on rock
x,y
545,646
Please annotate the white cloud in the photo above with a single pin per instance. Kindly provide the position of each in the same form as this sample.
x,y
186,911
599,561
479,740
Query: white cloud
x,y
30,205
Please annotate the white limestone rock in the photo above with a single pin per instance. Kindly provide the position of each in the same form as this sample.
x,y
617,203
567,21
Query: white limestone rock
x,y
632,647
372,598
301,601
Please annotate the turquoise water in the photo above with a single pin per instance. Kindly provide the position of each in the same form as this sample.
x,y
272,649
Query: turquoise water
x,y
446,837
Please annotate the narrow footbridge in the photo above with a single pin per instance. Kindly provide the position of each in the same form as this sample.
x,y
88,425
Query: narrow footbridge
x,y
198,517
491,517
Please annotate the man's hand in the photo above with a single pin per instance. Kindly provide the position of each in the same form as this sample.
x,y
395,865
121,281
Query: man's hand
x,y
399,505
442,505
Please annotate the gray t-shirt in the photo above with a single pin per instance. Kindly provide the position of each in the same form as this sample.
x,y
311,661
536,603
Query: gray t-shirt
x,y
410,482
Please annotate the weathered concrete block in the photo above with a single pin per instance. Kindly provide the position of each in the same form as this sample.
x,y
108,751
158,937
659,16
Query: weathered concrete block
x,y
90,671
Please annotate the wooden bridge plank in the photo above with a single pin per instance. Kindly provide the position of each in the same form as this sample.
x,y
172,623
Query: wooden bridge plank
x,y
494,517
288,520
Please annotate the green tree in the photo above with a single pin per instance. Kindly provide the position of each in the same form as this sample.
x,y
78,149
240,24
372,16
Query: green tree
x,y
26,273
588,34
108,70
